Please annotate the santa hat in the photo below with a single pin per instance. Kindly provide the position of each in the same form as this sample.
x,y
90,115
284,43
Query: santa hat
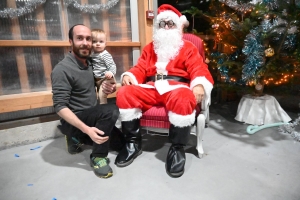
x,y
166,11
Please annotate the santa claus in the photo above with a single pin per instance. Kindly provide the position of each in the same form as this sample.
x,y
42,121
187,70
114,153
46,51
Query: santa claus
x,y
170,72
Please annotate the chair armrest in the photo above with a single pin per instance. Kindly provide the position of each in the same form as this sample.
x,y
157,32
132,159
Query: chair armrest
x,y
205,109
205,104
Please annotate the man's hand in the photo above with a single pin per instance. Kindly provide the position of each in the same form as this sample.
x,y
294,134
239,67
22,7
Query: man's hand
x,y
198,91
96,135
126,80
108,87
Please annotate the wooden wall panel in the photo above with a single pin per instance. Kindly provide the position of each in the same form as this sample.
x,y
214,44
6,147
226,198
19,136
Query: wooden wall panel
x,y
26,101
145,25
20,59
105,22
42,30
30,100
86,20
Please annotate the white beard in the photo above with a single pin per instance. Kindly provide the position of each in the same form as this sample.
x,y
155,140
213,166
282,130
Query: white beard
x,y
167,43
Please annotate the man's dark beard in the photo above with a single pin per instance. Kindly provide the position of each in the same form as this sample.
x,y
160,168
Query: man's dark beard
x,y
76,51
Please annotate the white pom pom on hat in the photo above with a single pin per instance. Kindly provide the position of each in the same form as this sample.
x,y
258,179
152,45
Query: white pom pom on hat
x,y
166,11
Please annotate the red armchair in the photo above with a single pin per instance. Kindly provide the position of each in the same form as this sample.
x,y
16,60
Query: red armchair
x,y
156,118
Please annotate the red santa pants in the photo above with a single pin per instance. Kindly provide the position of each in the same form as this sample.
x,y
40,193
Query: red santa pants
x,y
180,101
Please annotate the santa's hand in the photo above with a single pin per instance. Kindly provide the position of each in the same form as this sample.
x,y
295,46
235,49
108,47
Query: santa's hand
x,y
198,91
126,80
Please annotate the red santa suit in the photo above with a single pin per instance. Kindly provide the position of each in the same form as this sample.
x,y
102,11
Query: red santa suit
x,y
175,95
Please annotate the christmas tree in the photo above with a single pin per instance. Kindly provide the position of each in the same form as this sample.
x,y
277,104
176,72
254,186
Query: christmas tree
x,y
253,40
258,38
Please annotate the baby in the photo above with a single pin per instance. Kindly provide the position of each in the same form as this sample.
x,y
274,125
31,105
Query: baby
x,y
104,67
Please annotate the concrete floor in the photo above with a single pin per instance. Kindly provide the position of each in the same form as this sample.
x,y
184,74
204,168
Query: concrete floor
x,y
236,166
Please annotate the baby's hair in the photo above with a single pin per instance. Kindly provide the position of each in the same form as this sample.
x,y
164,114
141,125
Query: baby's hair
x,y
96,32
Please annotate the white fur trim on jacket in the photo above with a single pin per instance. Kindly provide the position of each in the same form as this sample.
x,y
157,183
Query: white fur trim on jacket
x,y
135,82
130,114
206,84
161,67
181,120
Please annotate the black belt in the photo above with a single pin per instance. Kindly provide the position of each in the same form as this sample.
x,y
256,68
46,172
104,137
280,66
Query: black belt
x,y
158,77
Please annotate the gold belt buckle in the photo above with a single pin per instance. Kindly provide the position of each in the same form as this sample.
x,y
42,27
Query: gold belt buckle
x,y
162,76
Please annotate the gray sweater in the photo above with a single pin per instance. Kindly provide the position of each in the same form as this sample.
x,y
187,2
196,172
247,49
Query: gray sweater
x,y
73,85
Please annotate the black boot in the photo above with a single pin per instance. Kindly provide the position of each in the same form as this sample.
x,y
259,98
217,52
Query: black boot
x,y
133,146
175,162
117,140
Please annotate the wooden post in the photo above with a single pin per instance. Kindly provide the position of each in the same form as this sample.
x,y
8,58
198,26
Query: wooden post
x,y
65,26
124,51
42,30
105,22
146,25
86,20
20,59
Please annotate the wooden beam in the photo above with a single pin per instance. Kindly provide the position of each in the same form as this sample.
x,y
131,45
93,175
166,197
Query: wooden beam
x,y
26,101
20,58
42,30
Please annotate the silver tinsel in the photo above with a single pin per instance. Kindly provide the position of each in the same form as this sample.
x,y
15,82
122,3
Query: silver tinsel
x,y
241,7
290,128
29,7
91,8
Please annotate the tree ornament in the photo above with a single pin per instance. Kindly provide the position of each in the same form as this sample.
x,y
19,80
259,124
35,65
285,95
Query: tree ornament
x,y
215,26
207,61
259,87
269,52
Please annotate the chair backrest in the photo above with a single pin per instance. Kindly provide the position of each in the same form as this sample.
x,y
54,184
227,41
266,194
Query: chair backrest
x,y
197,41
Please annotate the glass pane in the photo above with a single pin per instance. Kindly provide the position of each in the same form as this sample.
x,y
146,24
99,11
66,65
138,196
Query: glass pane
x,y
123,59
43,23
27,69
54,27
9,76
5,24
34,68
114,21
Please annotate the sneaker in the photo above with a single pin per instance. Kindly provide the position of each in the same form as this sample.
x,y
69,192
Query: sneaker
x,y
101,167
73,145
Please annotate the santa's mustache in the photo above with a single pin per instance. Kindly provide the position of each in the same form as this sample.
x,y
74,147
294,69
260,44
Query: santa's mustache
x,y
167,43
